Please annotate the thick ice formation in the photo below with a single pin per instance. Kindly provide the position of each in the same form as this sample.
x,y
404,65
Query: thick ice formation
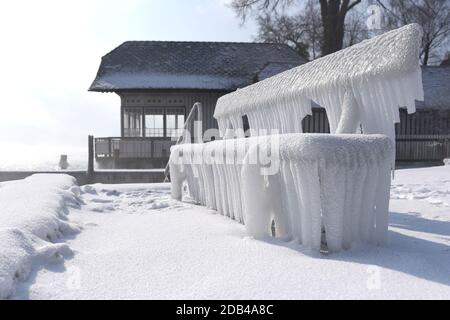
x,y
212,172
381,74
335,183
340,182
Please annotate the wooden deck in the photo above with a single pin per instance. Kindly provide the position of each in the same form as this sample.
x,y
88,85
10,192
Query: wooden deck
x,y
132,153
133,147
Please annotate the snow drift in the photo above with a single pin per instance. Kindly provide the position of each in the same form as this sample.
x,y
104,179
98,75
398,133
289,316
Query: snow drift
x,y
33,214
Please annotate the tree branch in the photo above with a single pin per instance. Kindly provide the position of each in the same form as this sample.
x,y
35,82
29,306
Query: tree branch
x,y
356,2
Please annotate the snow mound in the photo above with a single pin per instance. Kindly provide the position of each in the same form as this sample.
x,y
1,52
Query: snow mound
x,y
382,74
33,215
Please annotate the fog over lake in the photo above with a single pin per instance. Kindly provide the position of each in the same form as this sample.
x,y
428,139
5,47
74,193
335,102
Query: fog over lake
x,y
52,57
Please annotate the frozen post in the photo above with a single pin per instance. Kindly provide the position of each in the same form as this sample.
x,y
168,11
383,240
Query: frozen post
x,y
350,117
63,164
90,169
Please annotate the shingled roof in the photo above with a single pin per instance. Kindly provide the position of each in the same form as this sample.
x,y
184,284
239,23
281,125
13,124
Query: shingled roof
x,y
190,65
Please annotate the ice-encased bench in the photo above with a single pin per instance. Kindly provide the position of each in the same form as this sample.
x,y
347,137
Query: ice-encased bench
x,y
340,182
334,183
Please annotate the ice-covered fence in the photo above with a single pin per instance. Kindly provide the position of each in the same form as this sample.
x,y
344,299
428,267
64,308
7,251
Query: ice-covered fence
x,y
380,75
332,184
338,182
212,172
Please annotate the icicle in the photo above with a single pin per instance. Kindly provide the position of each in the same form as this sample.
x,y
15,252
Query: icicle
x,y
391,58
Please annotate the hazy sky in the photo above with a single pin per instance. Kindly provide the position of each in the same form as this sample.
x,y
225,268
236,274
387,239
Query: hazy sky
x,y
51,50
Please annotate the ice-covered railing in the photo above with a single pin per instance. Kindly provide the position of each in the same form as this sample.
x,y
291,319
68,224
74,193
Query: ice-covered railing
x,y
373,78
304,183
185,137
323,187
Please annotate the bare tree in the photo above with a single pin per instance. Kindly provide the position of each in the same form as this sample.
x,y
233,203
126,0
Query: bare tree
x,y
446,61
355,28
302,31
244,7
284,29
333,20
432,15
332,13
313,21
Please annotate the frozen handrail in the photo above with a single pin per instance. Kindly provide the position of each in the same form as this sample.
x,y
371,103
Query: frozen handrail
x,y
196,108
381,74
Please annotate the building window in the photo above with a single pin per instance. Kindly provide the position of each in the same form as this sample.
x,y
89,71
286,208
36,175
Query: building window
x,y
174,122
132,122
154,122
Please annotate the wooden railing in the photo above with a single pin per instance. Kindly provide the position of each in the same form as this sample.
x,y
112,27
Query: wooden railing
x,y
409,148
149,147
133,148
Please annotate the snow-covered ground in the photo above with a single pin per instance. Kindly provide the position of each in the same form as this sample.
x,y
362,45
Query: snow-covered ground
x,y
136,242
33,215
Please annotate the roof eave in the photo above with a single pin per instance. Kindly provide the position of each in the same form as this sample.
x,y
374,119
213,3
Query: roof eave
x,y
104,90
97,86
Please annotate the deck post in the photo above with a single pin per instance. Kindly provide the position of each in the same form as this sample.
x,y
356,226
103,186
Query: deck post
x,y
90,169
110,151
198,127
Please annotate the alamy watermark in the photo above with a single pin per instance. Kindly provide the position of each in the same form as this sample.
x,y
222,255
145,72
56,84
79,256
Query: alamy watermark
x,y
375,18
73,281
261,148
374,280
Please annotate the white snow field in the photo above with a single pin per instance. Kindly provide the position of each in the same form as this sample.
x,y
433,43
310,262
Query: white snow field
x,y
137,242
